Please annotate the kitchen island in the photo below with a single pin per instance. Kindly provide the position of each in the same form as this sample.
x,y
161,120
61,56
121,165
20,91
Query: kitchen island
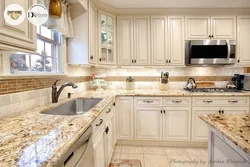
x,y
229,140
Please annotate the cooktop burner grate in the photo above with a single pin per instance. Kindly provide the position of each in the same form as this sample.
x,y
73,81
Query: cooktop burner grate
x,y
211,90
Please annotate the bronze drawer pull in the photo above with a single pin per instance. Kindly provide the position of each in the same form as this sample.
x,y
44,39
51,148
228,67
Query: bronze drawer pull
x,y
233,101
148,101
176,101
207,101
101,120
108,110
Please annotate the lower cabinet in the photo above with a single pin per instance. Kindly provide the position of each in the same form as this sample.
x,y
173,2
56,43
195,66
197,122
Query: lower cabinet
x,y
109,140
200,128
148,123
176,123
99,151
124,108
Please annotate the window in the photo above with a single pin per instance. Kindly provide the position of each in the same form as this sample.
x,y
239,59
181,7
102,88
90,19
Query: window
x,y
47,59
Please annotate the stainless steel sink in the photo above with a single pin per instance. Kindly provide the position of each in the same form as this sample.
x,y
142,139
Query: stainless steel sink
x,y
74,107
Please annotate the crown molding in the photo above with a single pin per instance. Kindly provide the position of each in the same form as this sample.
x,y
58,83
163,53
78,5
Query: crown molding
x,y
169,11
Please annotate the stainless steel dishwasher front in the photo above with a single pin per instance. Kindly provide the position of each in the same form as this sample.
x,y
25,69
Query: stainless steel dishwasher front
x,y
81,154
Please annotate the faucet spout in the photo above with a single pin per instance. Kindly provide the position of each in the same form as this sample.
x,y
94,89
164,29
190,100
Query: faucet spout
x,y
56,94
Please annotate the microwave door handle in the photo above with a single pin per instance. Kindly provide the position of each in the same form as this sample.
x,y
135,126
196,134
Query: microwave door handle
x,y
228,50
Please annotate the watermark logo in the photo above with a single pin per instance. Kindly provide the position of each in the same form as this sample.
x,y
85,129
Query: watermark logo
x,y
14,14
38,14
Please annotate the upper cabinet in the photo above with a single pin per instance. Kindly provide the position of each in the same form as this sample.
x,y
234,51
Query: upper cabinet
x,y
106,39
92,34
21,36
133,40
243,40
205,27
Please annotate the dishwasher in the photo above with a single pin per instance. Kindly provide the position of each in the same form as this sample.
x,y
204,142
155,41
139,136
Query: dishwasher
x,y
81,154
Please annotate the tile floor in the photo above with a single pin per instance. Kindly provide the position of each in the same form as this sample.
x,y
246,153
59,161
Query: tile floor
x,y
158,156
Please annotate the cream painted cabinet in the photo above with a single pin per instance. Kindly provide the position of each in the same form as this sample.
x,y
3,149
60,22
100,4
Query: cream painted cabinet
x,y
109,140
197,27
159,43
243,40
20,36
141,40
125,40
107,36
205,27
133,40
223,27
148,123
199,127
92,33
176,123
176,40
99,151
124,110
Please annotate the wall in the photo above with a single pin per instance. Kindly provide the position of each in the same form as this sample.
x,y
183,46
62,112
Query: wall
x,y
149,77
23,93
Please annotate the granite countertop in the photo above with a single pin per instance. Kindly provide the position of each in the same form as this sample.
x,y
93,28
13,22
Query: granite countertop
x,y
34,139
235,127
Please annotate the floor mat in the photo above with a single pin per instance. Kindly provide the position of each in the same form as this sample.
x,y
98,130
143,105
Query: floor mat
x,y
125,163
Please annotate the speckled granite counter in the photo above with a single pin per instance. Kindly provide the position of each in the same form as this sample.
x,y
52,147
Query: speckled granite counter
x,y
235,127
35,139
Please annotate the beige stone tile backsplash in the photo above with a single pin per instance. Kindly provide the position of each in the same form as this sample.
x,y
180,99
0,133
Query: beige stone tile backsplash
x,y
19,102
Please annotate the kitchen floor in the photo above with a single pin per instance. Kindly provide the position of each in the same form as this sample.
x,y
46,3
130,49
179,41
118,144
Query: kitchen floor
x,y
158,156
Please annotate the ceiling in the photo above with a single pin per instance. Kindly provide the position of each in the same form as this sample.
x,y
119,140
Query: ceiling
x,y
178,3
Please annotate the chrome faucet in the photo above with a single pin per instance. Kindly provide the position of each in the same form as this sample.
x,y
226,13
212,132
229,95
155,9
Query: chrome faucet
x,y
56,94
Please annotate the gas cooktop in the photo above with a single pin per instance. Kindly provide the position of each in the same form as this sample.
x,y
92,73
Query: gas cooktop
x,y
211,90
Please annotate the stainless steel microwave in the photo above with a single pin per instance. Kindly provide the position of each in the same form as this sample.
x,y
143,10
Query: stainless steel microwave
x,y
210,52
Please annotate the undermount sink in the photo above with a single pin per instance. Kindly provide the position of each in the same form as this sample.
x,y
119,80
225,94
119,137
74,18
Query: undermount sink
x,y
74,107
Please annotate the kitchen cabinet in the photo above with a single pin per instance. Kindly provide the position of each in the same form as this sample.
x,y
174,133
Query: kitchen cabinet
x,y
109,140
92,34
22,36
206,27
133,40
176,123
200,128
176,40
99,151
159,43
243,40
141,40
124,110
148,123
106,38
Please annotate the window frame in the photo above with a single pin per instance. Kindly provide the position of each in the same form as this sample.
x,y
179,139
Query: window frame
x,y
60,52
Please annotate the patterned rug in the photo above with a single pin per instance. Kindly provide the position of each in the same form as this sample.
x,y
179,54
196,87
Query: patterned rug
x,y
125,163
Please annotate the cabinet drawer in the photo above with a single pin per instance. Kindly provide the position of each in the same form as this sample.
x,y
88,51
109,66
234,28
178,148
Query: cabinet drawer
x,y
148,101
220,101
177,101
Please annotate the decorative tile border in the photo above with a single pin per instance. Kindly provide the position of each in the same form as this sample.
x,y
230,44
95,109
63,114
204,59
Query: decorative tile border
x,y
21,84
171,78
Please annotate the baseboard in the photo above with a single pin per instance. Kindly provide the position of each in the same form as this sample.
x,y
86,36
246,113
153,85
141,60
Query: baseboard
x,y
163,143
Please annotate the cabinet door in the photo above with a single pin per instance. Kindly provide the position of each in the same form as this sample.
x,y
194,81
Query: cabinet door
x,y
125,117
197,27
159,40
109,140
176,40
107,39
148,123
223,27
92,33
125,40
99,151
22,35
176,123
114,125
142,41
199,127
243,40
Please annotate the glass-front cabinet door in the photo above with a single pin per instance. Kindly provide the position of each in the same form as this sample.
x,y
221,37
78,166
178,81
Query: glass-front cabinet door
x,y
107,39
